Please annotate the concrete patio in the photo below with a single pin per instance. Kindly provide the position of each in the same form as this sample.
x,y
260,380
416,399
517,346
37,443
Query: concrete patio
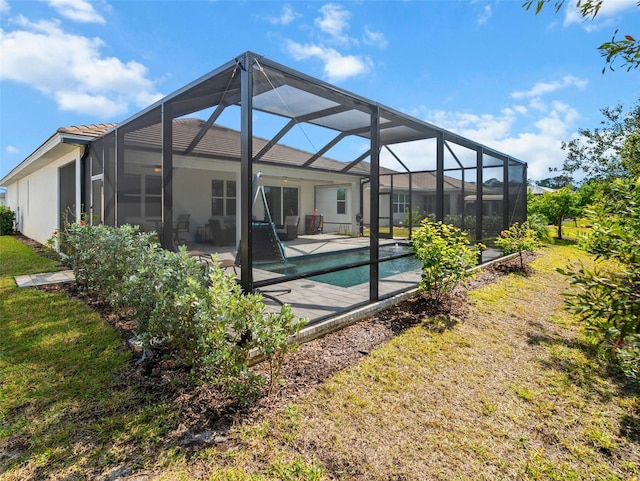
x,y
317,300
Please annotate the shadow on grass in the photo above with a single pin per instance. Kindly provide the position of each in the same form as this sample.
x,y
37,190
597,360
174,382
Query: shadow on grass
x,y
72,400
593,369
565,241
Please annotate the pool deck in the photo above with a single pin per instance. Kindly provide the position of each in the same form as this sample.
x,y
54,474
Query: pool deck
x,y
317,300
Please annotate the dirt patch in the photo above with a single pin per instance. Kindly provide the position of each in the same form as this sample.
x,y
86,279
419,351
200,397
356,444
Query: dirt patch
x,y
207,415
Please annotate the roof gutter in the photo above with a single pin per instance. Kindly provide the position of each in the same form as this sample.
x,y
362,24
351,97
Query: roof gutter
x,y
50,144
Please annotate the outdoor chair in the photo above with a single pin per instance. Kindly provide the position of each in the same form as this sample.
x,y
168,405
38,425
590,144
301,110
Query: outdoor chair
x,y
289,230
223,230
181,226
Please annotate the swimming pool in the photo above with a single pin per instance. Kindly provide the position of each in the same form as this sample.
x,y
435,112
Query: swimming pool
x,y
349,277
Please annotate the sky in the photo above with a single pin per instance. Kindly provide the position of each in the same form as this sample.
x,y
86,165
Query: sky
x,y
491,71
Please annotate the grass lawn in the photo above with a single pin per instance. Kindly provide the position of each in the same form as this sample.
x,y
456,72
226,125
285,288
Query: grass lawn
x,y
513,391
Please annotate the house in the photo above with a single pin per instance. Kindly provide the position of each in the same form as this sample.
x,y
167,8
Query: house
x,y
196,153
539,190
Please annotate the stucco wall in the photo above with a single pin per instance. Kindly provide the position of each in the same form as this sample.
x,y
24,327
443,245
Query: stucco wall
x,y
35,199
327,204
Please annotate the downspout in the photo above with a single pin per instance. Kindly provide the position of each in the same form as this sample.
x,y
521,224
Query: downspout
x,y
83,188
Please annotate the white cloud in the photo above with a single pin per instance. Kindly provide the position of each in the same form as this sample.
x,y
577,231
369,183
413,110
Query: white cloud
x,y
334,22
287,16
336,66
485,15
375,38
4,6
532,135
10,149
542,88
77,10
607,10
473,126
70,69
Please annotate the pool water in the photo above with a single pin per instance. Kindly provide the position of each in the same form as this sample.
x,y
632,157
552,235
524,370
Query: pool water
x,y
349,277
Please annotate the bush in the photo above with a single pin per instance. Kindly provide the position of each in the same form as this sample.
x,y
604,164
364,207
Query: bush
x,y
629,358
608,297
518,238
417,216
539,224
199,318
7,220
445,255
103,256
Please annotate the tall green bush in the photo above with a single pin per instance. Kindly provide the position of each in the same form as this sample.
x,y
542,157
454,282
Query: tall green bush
x,y
446,257
539,224
608,296
102,256
200,318
7,219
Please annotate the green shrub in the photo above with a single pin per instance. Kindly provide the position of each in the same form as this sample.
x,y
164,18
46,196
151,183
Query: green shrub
x,y
518,238
446,257
539,224
7,220
199,318
629,358
608,296
417,216
103,256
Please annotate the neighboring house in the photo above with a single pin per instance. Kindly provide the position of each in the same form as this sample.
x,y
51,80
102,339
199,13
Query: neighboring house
x,y
539,190
176,157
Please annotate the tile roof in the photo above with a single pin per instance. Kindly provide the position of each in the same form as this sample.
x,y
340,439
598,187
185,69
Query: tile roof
x,y
91,130
223,142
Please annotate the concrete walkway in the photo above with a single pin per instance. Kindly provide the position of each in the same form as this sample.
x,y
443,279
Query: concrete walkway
x,y
31,280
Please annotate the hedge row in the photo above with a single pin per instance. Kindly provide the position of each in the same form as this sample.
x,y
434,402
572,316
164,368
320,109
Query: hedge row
x,y
198,316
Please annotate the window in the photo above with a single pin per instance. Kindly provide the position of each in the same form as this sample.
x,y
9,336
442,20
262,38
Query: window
x,y
142,196
400,203
342,200
223,197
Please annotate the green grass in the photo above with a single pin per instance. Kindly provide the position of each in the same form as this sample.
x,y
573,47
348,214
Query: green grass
x,y
514,391
64,405
18,259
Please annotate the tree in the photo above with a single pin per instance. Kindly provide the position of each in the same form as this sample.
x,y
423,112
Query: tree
x,y
630,155
556,206
609,152
626,48
608,296
557,182
518,238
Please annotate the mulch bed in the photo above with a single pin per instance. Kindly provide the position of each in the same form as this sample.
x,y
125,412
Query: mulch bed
x,y
207,415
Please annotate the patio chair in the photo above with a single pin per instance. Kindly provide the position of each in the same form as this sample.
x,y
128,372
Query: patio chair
x,y
289,230
181,226
223,230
